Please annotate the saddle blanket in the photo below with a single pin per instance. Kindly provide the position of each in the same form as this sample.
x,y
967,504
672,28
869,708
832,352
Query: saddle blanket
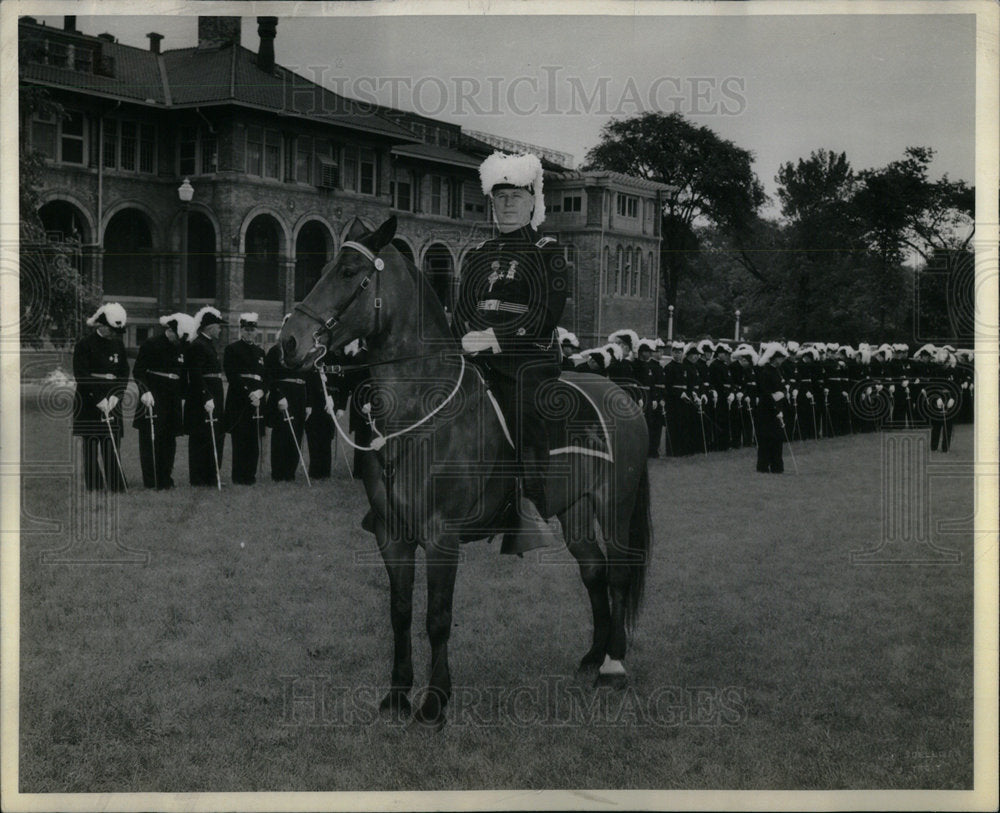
x,y
574,422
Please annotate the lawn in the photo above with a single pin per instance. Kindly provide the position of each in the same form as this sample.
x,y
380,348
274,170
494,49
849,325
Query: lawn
x,y
247,646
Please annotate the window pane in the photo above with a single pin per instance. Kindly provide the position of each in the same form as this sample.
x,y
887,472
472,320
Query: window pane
x,y
350,168
146,148
367,179
303,159
209,154
272,154
43,138
129,143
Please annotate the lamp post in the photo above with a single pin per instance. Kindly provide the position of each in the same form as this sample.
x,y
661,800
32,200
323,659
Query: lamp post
x,y
736,335
670,323
185,192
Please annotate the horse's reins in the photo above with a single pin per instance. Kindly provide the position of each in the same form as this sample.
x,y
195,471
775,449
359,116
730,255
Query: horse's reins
x,y
331,322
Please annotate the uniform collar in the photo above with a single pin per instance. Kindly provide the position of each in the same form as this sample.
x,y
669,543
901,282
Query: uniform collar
x,y
525,234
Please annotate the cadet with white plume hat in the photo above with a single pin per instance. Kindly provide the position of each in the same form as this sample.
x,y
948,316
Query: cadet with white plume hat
x,y
243,364
101,371
206,437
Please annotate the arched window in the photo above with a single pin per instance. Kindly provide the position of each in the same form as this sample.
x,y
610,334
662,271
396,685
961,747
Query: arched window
x,y
201,257
311,249
261,264
128,260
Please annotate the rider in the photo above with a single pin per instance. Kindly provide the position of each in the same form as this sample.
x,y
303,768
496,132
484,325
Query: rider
x,y
512,294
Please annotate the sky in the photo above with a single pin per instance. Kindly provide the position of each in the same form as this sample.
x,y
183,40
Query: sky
x,y
779,86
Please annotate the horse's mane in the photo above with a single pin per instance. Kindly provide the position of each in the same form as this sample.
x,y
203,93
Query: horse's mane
x,y
430,303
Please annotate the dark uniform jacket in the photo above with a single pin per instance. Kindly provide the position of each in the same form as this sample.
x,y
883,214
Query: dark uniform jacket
x,y
100,368
283,382
649,376
517,285
769,381
204,382
243,363
159,369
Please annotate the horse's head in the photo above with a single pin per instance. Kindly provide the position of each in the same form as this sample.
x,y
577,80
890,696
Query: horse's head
x,y
345,304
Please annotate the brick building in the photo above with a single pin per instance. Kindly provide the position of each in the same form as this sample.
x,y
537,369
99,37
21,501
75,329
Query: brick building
x,y
279,167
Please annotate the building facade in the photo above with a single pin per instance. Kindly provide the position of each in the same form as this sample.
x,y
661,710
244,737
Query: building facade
x,y
279,168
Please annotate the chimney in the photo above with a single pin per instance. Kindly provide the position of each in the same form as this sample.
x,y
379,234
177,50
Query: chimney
x,y
154,41
69,23
267,28
218,32
107,37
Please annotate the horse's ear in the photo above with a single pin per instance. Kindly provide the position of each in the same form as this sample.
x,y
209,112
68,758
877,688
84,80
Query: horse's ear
x,y
382,235
357,230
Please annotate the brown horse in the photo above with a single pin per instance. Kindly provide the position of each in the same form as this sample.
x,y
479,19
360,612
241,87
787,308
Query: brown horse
x,y
443,474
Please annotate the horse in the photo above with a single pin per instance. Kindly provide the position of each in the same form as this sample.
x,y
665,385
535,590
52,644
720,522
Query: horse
x,y
444,472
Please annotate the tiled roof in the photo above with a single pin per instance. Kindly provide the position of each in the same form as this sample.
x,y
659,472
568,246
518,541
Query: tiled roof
x,y
432,152
614,177
140,67
206,76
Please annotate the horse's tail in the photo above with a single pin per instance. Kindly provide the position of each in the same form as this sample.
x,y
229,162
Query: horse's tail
x,y
640,543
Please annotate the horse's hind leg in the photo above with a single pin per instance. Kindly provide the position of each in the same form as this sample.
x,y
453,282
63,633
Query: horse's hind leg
x,y
581,539
398,556
612,671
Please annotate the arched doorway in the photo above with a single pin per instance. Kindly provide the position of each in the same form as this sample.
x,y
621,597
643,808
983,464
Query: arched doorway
x,y
63,222
128,260
440,272
312,250
201,257
404,248
262,260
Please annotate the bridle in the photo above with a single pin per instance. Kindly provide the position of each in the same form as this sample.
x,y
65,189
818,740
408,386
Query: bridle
x,y
334,319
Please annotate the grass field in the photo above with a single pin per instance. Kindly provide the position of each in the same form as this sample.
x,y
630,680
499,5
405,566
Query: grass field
x,y
765,656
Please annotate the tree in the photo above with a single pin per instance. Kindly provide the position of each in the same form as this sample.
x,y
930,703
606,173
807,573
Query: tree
x,y
712,181
52,291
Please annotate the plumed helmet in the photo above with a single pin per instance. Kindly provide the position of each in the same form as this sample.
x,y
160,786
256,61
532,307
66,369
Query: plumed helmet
x,y
521,171
111,315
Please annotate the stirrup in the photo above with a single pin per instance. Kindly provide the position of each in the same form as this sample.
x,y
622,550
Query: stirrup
x,y
533,532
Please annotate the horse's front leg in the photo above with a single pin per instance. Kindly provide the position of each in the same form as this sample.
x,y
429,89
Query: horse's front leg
x,y
442,565
398,556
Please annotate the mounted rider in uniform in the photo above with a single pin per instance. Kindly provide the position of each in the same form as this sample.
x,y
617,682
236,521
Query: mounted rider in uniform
x,y
512,293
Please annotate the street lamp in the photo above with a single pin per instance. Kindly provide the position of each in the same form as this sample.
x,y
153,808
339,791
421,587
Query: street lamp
x,y
670,323
185,192
736,335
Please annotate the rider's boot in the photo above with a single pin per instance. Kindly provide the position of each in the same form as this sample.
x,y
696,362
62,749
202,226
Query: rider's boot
x,y
533,531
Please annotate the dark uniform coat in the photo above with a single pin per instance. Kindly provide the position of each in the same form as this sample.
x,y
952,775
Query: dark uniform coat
x,y
159,370
204,383
100,368
290,385
243,363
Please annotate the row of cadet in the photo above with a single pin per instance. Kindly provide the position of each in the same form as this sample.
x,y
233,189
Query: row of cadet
x,y
703,396
179,378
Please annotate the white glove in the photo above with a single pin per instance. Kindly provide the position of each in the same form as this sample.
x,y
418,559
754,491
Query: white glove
x,y
878,387
826,390
868,392
148,400
704,400
255,397
965,385
210,406
778,396
730,398
641,403
329,405
846,396
476,341
283,404
309,411
112,402
739,396
951,403
104,406
339,414
810,396
906,383
892,388
685,397
795,393
747,399
940,405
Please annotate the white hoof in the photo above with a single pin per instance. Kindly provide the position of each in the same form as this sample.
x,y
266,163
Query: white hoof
x,y
611,667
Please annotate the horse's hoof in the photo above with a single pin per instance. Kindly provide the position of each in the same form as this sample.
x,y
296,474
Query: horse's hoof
x,y
426,721
592,660
395,706
616,681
